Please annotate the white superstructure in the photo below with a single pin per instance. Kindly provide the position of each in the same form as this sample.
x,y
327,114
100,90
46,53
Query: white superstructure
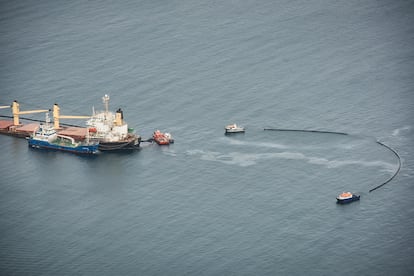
x,y
107,126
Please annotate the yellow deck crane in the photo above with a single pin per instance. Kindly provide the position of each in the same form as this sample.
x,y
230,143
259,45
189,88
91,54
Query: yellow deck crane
x,y
17,112
57,116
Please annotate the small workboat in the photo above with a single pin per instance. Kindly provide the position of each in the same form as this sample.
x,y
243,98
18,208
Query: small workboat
x,y
162,138
347,197
234,128
45,137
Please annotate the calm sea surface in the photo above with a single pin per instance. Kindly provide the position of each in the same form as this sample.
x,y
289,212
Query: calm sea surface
x,y
262,203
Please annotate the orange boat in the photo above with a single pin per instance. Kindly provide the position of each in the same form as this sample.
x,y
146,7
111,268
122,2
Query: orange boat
x,y
347,197
160,138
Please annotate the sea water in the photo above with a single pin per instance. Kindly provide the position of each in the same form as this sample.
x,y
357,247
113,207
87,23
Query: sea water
x,y
259,203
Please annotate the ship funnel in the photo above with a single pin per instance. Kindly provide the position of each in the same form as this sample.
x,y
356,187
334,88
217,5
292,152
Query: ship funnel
x,y
119,116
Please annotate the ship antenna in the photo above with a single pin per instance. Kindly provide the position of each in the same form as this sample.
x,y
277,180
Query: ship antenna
x,y
106,102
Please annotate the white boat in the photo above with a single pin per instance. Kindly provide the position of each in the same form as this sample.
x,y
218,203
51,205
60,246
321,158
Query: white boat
x,y
234,128
347,197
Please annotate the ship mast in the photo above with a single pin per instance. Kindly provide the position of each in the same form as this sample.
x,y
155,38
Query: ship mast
x,y
105,100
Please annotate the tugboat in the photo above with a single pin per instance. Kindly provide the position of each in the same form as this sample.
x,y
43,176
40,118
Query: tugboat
x,y
162,138
111,130
233,128
45,137
347,197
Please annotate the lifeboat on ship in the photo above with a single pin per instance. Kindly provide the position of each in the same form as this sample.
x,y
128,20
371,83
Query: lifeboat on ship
x,y
92,129
161,138
347,197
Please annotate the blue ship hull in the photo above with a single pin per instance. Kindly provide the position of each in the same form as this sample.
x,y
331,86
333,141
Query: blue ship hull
x,y
82,149
348,200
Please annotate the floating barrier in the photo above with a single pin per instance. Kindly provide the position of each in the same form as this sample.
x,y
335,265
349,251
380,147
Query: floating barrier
x,y
396,172
342,133
306,130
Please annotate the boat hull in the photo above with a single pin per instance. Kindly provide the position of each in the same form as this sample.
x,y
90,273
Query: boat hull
x,y
128,144
231,131
162,142
82,149
348,200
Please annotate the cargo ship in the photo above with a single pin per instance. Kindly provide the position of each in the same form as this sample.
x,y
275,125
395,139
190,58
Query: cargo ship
x,y
45,137
107,127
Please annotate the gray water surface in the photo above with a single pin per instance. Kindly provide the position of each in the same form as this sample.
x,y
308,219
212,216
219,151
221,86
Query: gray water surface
x,y
262,203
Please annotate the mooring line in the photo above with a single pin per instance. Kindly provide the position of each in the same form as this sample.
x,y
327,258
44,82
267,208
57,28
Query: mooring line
x,y
342,133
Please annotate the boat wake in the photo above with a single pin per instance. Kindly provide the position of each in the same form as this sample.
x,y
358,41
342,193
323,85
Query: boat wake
x,y
397,132
250,159
256,144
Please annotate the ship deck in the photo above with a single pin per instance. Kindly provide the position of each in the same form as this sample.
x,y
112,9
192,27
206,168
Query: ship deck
x,y
75,132
25,130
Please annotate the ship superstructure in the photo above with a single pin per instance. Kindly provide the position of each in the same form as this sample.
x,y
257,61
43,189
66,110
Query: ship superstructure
x,y
111,130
